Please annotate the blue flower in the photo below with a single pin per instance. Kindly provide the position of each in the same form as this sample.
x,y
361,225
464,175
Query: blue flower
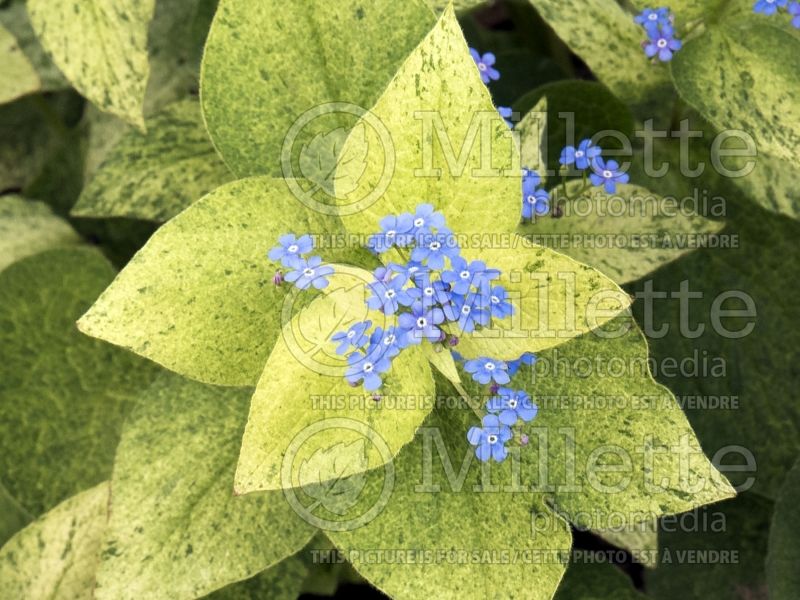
x,y
653,18
768,7
511,405
430,293
396,231
535,202
582,156
421,323
526,359
489,440
485,65
794,10
388,296
290,249
412,270
506,112
531,177
484,370
383,273
470,311
499,304
663,44
432,249
364,368
355,337
462,275
426,219
608,175
310,273
384,343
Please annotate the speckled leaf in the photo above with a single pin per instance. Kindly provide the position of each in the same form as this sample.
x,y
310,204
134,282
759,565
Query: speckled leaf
x,y
745,64
532,128
258,78
593,419
175,43
759,407
100,47
772,184
556,299
280,582
624,235
607,39
14,16
27,141
12,516
28,227
575,110
55,557
176,529
157,174
174,303
686,10
303,387
457,541
717,554
587,580
440,141
18,77
783,578
63,396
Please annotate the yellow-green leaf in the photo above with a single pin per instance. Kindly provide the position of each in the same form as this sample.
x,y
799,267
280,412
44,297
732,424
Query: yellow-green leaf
x,y
55,557
434,136
101,48
303,394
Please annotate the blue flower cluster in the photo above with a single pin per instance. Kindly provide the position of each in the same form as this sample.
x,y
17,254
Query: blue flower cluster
x,y
770,7
434,286
303,272
661,41
583,157
503,411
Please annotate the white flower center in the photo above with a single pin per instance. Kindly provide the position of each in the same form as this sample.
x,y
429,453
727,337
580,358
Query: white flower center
x,y
492,439
466,310
654,16
482,66
293,248
435,246
368,367
389,340
607,174
419,222
391,233
495,300
579,154
308,272
428,291
662,43
351,335
390,294
531,199
464,274
512,404
422,322
489,366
